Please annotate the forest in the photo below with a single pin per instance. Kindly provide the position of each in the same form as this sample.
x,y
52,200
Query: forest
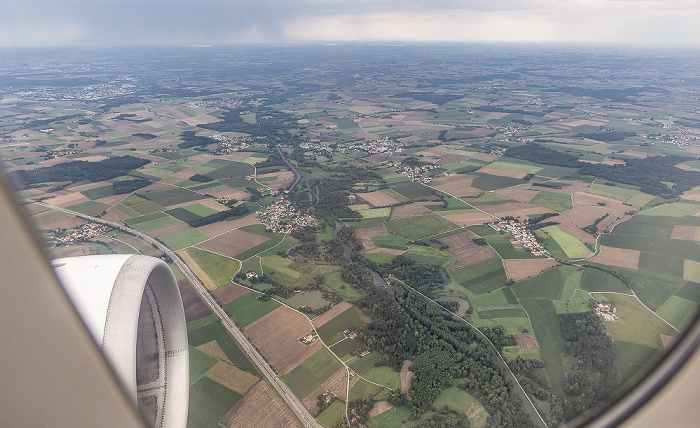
x,y
80,170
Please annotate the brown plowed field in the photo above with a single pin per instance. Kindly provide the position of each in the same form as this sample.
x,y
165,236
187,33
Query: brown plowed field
x,y
330,314
216,229
114,214
377,199
526,341
449,158
277,336
229,292
379,408
486,157
212,348
260,407
366,234
62,221
232,243
194,307
466,252
503,172
456,185
408,210
468,219
229,192
574,231
380,250
406,376
521,269
68,199
586,210
232,377
619,257
687,233
173,228
337,383
515,209
521,192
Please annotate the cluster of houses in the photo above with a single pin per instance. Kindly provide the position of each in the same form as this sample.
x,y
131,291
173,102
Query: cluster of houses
x,y
252,275
118,87
350,334
415,172
63,237
521,234
282,217
50,154
606,310
380,145
228,145
308,339
214,105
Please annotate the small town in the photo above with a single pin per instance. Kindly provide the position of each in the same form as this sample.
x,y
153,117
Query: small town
x,y
521,234
282,217
415,172
63,237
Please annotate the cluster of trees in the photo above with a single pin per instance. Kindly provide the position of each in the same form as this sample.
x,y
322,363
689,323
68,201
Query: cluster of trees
x,y
191,140
81,170
592,377
238,211
325,252
271,123
445,351
649,173
201,178
593,228
128,186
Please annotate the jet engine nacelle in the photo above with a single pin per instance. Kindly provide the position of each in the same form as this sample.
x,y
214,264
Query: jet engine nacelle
x,y
132,307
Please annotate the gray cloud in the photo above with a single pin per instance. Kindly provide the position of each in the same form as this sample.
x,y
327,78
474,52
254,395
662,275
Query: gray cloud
x,y
220,22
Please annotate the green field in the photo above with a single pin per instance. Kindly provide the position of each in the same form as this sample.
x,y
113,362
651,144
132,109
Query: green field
x,y
311,373
677,310
528,169
390,241
595,280
545,323
621,195
89,208
384,375
364,389
678,209
379,257
548,285
636,324
366,363
351,318
218,268
335,283
183,214
552,200
200,332
652,289
573,248
199,364
419,226
171,196
209,402
479,272
159,223
333,414
411,189
231,169
373,212
397,417
133,222
99,192
461,402
247,308
488,182
428,255
182,238
630,358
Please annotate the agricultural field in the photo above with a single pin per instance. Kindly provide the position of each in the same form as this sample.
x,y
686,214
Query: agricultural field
x,y
416,164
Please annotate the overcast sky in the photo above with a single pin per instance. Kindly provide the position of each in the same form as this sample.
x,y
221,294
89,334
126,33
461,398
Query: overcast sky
x,y
226,22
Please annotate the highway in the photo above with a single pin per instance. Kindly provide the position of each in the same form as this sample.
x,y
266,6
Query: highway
x,y
292,401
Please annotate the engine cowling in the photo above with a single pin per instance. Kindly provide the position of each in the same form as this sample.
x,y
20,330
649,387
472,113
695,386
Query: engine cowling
x,y
132,307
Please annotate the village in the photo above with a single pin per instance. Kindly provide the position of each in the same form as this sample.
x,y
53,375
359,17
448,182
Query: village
x,y
63,237
521,234
416,172
282,217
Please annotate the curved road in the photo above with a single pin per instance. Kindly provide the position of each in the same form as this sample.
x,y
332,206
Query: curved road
x,y
292,401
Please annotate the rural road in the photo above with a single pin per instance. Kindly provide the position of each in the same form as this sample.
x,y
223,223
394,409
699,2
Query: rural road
x,y
297,176
292,401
